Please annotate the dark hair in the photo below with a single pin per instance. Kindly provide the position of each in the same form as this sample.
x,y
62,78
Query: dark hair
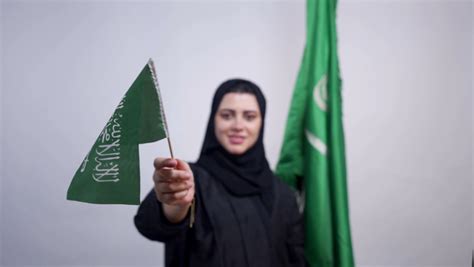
x,y
242,87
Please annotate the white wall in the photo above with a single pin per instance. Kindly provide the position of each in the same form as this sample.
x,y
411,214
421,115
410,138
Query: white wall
x,y
407,71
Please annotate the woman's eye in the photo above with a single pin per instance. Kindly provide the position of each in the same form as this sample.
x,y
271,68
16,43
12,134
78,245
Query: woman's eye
x,y
225,116
250,117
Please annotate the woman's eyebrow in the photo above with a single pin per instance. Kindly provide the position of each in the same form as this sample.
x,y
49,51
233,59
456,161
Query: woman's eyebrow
x,y
226,110
250,111
234,111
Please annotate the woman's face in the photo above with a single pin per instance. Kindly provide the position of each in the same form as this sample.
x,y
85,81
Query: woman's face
x,y
238,122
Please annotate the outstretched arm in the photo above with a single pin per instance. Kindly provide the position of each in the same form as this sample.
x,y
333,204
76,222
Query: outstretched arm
x,y
162,214
174,187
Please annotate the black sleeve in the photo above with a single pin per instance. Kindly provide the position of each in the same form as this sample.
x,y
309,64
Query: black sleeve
x,y
295,238
152,223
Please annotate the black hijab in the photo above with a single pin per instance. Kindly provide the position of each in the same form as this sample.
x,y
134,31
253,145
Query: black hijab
x,y
242,175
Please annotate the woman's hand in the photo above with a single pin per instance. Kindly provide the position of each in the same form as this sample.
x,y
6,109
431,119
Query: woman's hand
x,y
174,187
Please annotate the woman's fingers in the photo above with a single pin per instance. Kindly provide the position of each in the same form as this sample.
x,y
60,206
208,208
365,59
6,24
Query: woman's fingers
x,y
174,181
182,165
177,198
171,187
171,169
170,175
165,163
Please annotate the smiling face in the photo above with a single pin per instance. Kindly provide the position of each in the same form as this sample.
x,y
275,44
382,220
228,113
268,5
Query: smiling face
x,y
238,122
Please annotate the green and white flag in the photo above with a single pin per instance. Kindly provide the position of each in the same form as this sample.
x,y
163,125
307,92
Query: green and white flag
x,y
313,148
110,173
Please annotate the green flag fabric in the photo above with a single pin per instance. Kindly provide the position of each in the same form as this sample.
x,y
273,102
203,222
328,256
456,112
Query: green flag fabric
x,y
110,173
313,154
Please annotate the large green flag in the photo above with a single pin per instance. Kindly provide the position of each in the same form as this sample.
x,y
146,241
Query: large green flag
x,y
110,173
313,148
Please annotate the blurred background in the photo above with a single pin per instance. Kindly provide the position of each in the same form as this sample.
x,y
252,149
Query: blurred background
x,y
407,95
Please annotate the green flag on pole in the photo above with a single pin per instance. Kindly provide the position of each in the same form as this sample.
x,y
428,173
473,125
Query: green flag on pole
x,y
110,173
313,147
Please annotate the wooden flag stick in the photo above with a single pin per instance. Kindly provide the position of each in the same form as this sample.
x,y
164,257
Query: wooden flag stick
x,y
162,111
170,146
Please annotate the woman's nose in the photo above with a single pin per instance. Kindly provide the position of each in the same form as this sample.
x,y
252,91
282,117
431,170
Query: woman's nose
x,y
238,124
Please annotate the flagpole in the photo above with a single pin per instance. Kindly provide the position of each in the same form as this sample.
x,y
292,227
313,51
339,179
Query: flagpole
x,y
170,146
153,72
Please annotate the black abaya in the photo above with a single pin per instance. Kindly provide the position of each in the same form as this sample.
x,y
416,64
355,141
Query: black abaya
x,y
228,230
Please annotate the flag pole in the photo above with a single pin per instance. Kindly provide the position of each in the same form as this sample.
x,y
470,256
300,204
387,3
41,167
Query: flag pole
x,y
162,110
170,146
153,72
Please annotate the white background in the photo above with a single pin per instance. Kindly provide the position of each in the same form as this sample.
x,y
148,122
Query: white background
x,y
407,75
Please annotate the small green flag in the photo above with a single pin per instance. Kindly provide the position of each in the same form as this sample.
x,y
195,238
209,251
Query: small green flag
x,y
313,148
110,173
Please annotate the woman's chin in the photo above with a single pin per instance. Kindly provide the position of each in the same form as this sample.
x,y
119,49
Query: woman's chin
x,y
235,149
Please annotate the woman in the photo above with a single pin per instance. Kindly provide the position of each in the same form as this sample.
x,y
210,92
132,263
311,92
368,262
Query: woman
x,y
242,214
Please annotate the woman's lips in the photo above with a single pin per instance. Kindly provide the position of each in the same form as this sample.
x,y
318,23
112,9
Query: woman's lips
x,y
236,140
